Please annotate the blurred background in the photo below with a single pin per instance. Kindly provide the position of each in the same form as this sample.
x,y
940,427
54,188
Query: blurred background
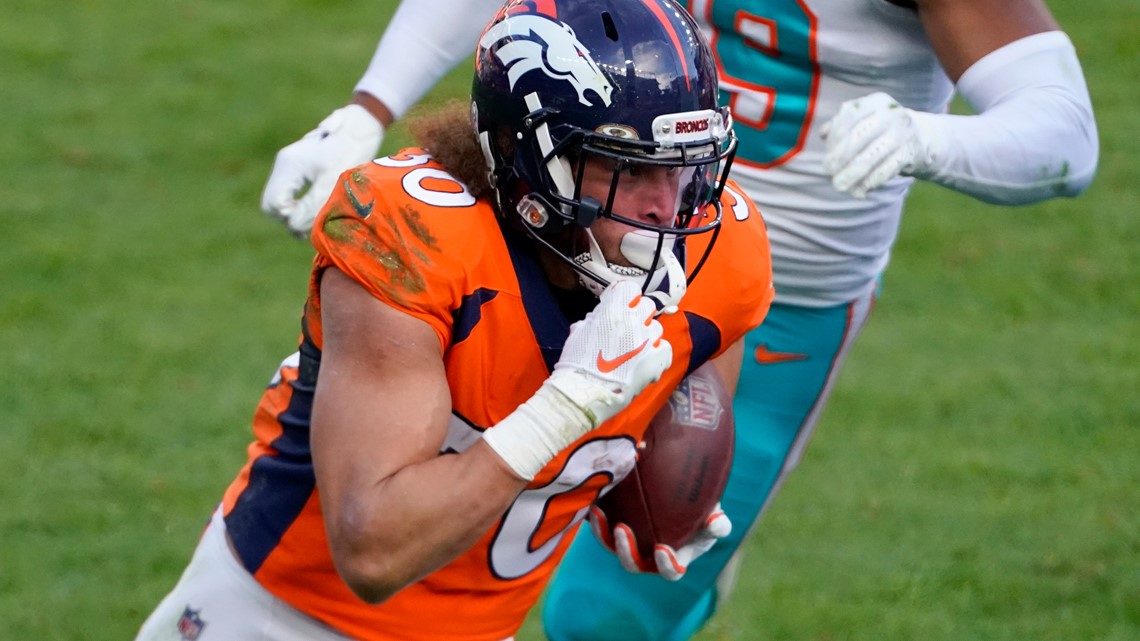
x,y
975,476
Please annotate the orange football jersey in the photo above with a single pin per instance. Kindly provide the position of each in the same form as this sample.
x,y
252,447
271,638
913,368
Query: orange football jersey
x,y
415,238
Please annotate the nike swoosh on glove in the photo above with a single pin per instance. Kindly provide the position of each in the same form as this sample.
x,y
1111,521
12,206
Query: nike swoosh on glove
x,y
613,353
305,172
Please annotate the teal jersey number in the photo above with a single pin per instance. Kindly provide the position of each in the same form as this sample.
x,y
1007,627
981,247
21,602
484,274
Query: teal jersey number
x,y
766,56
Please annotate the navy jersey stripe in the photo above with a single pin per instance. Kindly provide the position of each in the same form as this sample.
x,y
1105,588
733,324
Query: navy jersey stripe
x,y
705,336
469,314
549,325
281,484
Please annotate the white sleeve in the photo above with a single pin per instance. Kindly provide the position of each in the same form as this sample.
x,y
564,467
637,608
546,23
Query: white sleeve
x,y
422,42
1033,135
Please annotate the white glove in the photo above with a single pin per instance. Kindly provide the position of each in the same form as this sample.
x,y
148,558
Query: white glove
x,y
613,353
348,137
667,562
871,140
610,356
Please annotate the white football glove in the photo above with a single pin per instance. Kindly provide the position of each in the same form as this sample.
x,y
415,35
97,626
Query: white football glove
x,y
613,353
348,137
871,140
667,562
609,357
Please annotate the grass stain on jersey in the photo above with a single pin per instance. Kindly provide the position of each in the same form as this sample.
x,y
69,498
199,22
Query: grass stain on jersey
x,y
401,279
339,225
398,276
400,244
401,260
416,225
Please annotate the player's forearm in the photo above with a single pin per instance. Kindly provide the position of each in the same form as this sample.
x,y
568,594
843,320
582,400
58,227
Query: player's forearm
x,y
374,106
419,519
1034,136
427,513
421,43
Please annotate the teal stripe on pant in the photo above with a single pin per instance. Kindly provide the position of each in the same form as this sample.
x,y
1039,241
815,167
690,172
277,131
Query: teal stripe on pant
x,y
593,599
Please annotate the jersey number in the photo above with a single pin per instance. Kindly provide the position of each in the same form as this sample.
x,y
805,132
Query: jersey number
x,y
525,540
433,186
769,74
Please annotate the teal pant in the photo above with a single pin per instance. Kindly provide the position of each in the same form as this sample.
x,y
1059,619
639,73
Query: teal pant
x,y
788,362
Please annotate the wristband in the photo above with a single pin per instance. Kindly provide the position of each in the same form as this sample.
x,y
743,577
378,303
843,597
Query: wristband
x,y
529,437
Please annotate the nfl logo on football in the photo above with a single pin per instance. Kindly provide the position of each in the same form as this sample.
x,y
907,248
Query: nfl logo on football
x,y
695,404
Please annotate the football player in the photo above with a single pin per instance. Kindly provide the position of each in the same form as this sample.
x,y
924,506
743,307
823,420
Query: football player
x,y
839,106
493,319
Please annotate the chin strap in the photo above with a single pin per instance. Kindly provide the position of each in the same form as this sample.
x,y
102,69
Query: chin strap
x,y
665,285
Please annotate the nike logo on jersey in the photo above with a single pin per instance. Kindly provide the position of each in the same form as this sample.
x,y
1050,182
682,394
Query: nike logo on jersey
x,y
362,210
606,366
765,356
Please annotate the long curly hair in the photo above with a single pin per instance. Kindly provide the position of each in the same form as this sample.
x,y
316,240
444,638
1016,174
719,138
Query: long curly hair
x,y
448,135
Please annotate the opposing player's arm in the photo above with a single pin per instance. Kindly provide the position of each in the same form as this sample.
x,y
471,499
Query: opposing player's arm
x,y
422,42
1032,135
963,31
395,510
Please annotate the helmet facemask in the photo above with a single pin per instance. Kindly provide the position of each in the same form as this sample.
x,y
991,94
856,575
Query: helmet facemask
x,y
655,253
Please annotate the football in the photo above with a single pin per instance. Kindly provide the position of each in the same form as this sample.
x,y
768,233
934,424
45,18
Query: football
x,y
682,466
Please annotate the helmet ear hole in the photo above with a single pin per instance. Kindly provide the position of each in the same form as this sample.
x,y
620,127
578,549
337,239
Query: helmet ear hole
x,y
588,211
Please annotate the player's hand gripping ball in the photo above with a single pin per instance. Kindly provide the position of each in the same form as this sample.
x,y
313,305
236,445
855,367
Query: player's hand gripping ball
x,y
669,504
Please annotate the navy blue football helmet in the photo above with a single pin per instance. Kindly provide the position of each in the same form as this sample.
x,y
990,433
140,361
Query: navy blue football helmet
x,y
631,82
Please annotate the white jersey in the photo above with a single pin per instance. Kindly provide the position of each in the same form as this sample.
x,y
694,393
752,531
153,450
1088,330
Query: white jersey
x,y
786,66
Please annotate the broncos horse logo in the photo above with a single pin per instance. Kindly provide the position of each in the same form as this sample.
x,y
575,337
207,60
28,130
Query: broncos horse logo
x,y
538,42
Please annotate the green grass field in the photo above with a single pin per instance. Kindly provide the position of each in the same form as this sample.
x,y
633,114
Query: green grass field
x,y
974,478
